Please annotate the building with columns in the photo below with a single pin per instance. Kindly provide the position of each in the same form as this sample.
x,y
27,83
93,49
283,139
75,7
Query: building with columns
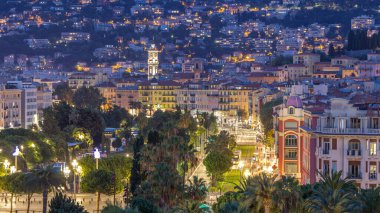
x,y
343,136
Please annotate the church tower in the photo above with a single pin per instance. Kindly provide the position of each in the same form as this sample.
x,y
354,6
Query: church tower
x,y
152,62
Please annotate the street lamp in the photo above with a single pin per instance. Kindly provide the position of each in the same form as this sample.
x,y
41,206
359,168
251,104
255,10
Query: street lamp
x,y
97,157
13,169
75,166
240,166
247,173
6,164
66,172
16,153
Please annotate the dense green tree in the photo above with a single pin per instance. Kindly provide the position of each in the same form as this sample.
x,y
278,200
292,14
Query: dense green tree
x,y
87,98
91,120
47,180
223,143
331,50
166,185
266,114
333,194
98,181
143,205
228,197
288,196
136,176
29,185
12,184
64,93
259,191
60,203
196,189
115,116
35,147
117,164
217,164
370,199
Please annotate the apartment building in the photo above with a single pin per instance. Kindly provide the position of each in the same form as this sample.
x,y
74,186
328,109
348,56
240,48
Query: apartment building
x,y
29,109
156,94
197,97
307,59
127,97
86,79
44,98
294,72
343,136
108,91
10,107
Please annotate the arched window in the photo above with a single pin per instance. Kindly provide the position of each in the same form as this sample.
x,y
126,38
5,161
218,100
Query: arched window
x,y
291,110
291,140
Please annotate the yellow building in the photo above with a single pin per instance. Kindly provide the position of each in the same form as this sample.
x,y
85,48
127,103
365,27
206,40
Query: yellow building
x,y
156,94
108,91
235,98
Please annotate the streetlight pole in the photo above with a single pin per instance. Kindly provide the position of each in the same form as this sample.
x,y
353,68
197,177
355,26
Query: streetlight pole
x,y
75,166
16,153
97,156
66,173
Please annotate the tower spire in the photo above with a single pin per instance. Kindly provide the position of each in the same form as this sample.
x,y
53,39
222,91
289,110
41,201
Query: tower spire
x,y
152,61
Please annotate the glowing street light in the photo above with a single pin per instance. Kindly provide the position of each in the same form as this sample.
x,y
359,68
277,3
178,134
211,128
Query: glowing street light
x,y
13,169
247,173
6,165
16,153
97,157
66,172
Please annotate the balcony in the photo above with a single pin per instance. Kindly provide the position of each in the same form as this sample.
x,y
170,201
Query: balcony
x,y
354,175
290,157
350,131
372,154
354,153
325,151
372,176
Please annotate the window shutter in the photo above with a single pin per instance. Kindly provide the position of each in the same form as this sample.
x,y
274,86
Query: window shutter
x,y
334,145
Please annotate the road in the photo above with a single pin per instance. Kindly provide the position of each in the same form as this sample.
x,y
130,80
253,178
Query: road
x,y
87,200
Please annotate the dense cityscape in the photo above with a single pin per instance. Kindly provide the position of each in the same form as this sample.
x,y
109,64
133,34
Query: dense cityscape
x,y
190,106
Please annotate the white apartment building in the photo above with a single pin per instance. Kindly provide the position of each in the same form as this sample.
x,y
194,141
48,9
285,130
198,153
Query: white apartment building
x,y
348,140
29,115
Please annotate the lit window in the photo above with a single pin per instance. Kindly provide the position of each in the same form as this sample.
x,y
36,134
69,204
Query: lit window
x,y
291,140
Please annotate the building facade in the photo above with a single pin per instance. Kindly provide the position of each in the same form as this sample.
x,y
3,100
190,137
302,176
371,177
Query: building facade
x,y
343,137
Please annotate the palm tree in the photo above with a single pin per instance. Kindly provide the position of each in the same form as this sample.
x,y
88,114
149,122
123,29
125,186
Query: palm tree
x,y
258,191
333,194
48,179
231,207
196,189
288,195
370,199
